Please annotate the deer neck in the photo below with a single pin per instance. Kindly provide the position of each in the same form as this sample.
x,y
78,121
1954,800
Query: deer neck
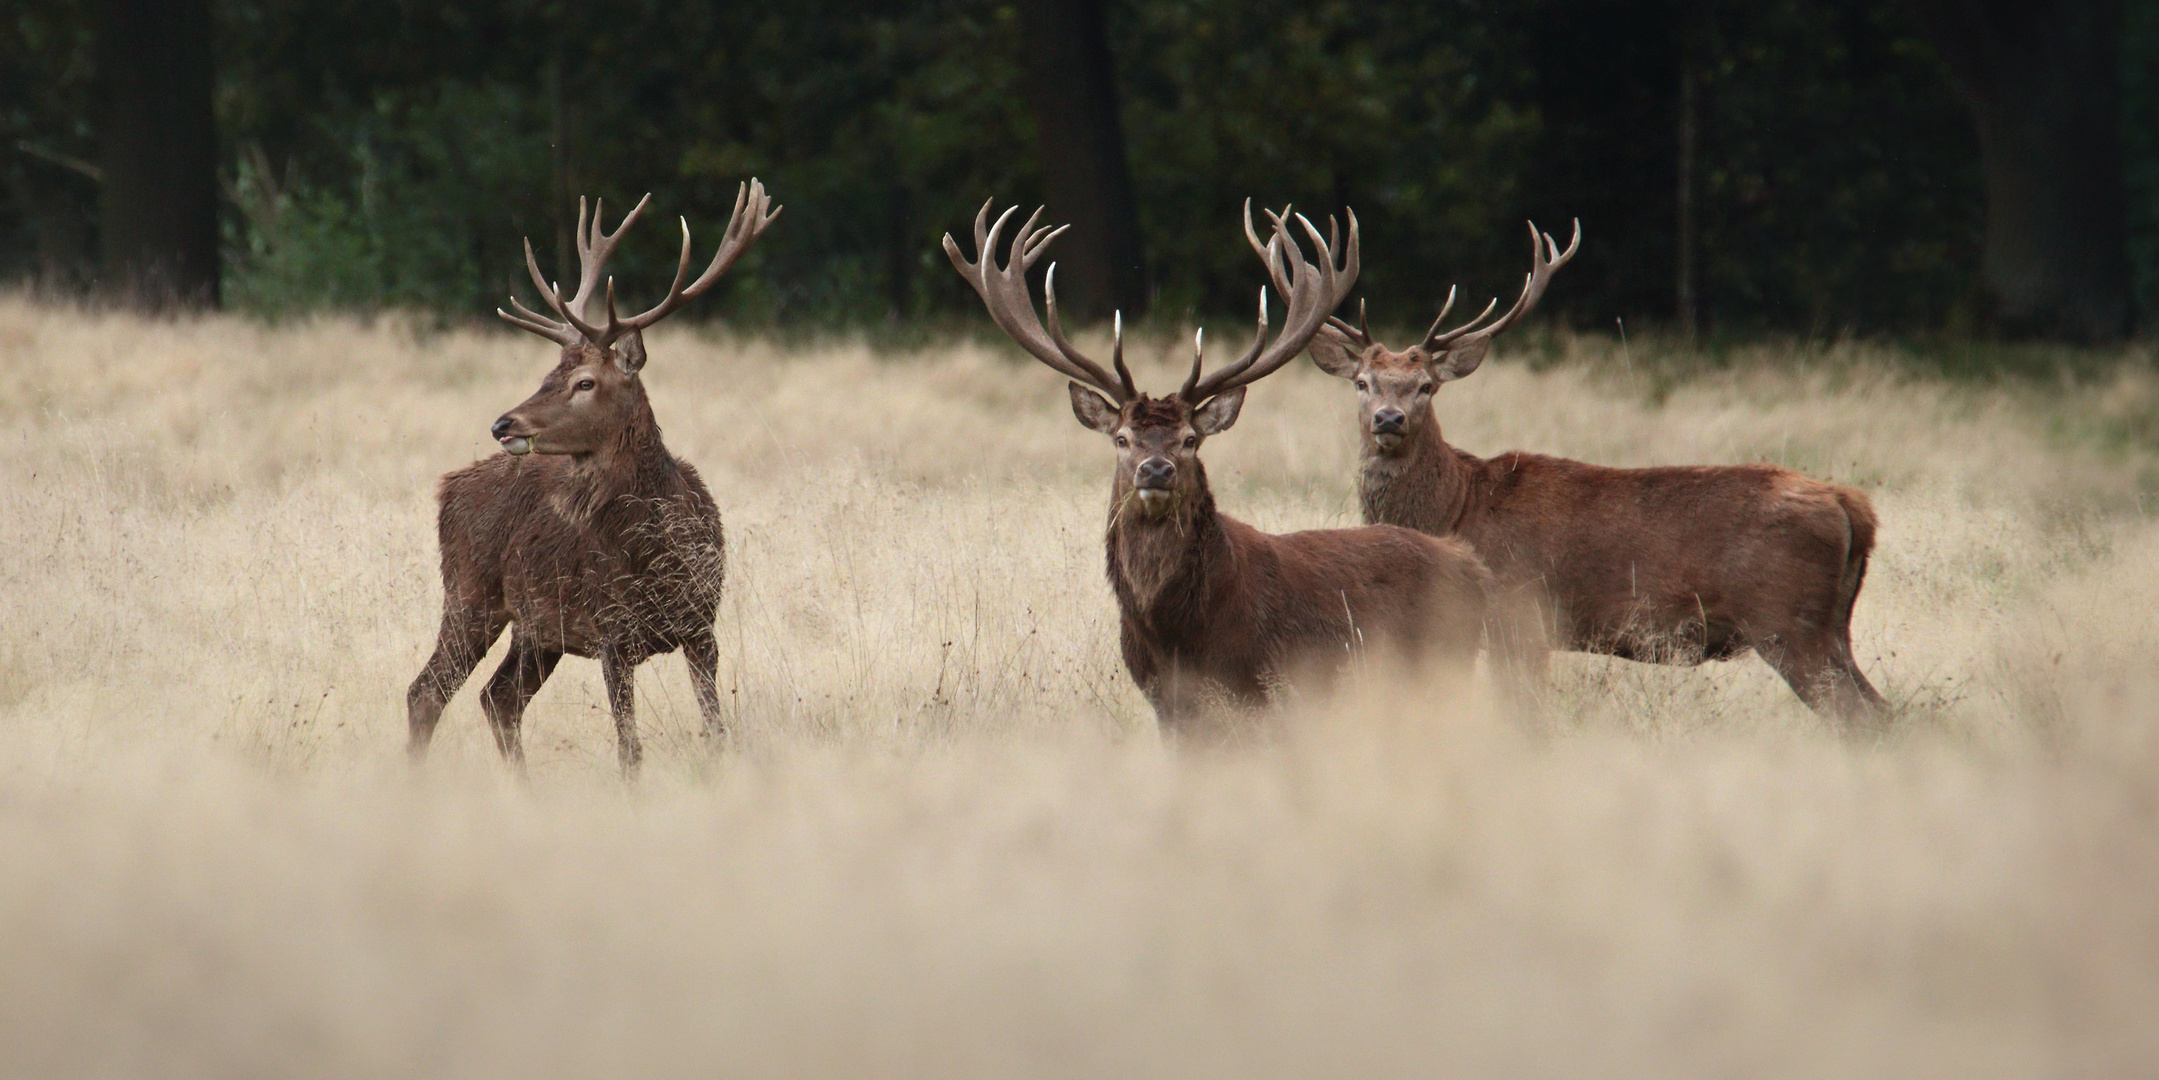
x,y
633,462
1421,484
1161,567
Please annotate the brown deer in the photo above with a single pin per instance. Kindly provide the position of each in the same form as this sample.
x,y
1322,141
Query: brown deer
x,y
1206,601
1666,565
586,537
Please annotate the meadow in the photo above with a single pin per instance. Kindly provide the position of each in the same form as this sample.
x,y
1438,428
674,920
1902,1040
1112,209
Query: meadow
x,y
944,838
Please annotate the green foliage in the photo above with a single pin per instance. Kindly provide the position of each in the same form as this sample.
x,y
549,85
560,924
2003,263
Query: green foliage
x,y
1838,184
2140,148
48,194
423,220
1414,115
1841,183
397,152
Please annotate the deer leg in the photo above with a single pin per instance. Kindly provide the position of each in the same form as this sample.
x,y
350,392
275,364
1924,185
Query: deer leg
x,y
1852,698
702,653
1825,676
621,678
521,675
460,645
1175,697
1523,672
1519,634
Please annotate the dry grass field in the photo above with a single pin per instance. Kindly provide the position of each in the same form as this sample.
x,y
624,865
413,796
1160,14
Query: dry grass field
x,y
945,840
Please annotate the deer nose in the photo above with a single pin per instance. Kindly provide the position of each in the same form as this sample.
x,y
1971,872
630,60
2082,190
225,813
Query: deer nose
x,y
501,430
1388,422
1156,472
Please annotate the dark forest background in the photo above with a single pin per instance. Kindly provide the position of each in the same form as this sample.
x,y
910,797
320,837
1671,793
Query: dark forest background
x,y
1962,167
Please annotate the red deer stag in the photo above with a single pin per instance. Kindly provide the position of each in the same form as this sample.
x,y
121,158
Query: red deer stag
x,y
1666,565
1206,600
587,537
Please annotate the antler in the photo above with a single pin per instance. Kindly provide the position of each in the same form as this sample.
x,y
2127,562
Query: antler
x,y
1360,333
1004,292
595,246
1545,260
1310,292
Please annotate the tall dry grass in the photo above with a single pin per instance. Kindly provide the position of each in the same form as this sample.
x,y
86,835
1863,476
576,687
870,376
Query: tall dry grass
x,y
946,841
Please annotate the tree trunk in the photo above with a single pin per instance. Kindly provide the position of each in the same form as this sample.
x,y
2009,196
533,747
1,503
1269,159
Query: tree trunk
x,y
1069,84
158,217
2043,80
1689,238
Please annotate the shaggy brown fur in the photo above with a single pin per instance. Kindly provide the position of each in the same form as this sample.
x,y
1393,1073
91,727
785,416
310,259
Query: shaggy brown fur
x,y
1667,565
602,544
1208,602
597,543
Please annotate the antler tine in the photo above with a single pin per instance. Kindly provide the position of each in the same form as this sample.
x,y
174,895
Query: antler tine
x,y
1452,291
1056,325
1299,274
1016,273
1032,241
528,315
583,241
1545,259
1199,353
1362,332
752,214
1433,339
594,248
983,227
1314,292
1116,355
1267,253
552,293
1259,340
742,231
526,319
1010,303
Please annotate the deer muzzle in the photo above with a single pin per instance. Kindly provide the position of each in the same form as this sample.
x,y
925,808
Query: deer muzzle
x,y
1153,483
1387,427
505,432
1155,474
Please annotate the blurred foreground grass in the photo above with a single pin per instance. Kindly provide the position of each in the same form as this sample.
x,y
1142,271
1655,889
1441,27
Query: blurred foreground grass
x,y
945,841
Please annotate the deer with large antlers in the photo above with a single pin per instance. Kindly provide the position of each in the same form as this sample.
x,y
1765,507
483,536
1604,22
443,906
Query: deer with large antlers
x,y
586,537
1666,565
1209,604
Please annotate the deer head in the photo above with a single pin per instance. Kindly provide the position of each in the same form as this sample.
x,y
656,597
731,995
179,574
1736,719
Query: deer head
x,y
1158,439
1395,389
594,392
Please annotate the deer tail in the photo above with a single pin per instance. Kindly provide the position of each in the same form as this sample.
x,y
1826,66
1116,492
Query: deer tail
x,y
1859,515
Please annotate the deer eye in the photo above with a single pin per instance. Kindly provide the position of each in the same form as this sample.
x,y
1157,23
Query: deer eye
x,y
1427,388
1123,442
1191,441
585,384
1363,386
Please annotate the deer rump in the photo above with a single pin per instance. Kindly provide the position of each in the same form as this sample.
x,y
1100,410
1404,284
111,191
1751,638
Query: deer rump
x,y
1246,613
579,563
1673,565
1668,565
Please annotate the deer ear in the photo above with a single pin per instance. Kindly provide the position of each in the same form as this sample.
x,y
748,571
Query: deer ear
x,y
1459,361
630,352
1218,414
1335,353
1093,409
